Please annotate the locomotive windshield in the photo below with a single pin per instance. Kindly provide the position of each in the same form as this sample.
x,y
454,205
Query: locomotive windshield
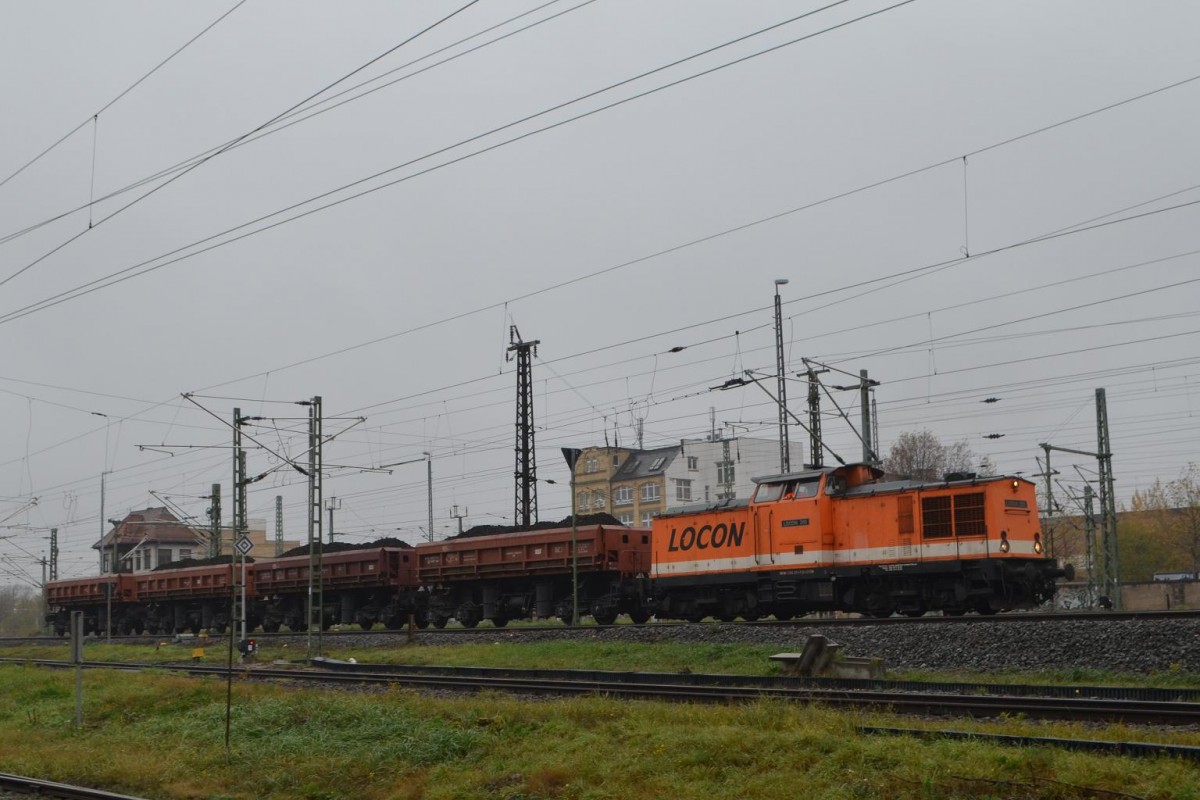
x,y
787,490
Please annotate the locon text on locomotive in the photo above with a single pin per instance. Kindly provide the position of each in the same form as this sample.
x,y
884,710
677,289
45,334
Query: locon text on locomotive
x,y
719,535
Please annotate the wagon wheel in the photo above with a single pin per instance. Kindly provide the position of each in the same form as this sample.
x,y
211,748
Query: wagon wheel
x,y
697,616
605,617
469,622
500,622
439,621
913,612
784,616
639,617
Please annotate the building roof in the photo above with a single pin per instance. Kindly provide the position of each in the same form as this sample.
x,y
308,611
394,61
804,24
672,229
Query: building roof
x,y
646,463
150,525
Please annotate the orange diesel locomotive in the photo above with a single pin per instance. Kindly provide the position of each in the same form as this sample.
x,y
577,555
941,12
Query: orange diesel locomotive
x,y
837,539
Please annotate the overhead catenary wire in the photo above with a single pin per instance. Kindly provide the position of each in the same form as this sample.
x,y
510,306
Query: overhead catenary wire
x,y
94,117
226,148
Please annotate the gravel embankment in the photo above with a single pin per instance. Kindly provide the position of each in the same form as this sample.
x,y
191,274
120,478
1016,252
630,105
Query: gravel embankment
x,y
1124,646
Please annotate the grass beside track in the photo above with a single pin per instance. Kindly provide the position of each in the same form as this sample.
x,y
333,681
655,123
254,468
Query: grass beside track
x,y
161,736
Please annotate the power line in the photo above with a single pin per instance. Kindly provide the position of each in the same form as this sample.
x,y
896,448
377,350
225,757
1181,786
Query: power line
x,y
227,147
112,102
315,109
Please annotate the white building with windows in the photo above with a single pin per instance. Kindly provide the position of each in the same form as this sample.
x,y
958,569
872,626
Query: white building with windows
x,y
708,470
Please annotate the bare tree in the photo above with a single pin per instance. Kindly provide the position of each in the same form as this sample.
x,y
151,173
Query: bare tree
x,y
20,611
1184,496
921,456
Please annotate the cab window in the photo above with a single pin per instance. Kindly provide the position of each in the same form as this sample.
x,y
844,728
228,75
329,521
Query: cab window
x,y
768,492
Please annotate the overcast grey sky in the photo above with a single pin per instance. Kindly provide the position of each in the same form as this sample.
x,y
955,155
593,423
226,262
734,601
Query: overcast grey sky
x,y
471,194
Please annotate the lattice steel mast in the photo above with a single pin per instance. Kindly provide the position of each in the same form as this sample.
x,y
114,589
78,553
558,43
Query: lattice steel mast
x,y
525,505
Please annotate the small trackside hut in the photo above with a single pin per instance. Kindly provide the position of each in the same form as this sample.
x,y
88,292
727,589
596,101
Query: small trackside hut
x,y
522,575
838,539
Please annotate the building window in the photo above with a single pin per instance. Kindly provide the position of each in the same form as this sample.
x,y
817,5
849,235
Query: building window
x,y
581,500
693,463
650,493
627,518
725,473
616,461
658,462
683,490
104,563
598,500
591,465
647,516
184,553
624,497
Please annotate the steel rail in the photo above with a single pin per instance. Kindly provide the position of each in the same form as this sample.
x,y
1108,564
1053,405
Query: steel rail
x,y
41,788
653,687
1139,749
801,622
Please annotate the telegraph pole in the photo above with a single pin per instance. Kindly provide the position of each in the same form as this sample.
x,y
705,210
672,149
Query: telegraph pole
x,y
278,525
864,386
332,504
429,492
525,506
239,520
315,609
214,519
815,447
455,515
1089,541
1108,504
1110,580
785,456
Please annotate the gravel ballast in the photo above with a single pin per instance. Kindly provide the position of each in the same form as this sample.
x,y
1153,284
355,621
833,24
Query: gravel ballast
x,y
1135,646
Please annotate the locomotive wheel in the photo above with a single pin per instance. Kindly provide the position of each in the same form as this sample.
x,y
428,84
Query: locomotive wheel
x,y
605,617
439,621
500,622
639,617
726,617
695,617
784,616
752,616
913,612
469,622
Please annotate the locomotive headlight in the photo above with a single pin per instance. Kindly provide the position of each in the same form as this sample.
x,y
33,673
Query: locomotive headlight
x,y
1037,543
1004,545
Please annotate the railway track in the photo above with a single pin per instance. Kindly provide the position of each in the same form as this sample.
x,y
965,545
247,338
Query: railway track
x,y
803,622
19,785
709,688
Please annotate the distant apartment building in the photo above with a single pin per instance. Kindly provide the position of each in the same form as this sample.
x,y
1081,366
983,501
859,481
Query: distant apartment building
x,y
151,537
634,485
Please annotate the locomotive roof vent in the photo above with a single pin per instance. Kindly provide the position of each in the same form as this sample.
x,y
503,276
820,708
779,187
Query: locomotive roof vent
x,y
959,476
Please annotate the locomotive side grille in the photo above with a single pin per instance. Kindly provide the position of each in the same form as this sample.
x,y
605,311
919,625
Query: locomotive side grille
x,y
936,517
968,515
904,514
